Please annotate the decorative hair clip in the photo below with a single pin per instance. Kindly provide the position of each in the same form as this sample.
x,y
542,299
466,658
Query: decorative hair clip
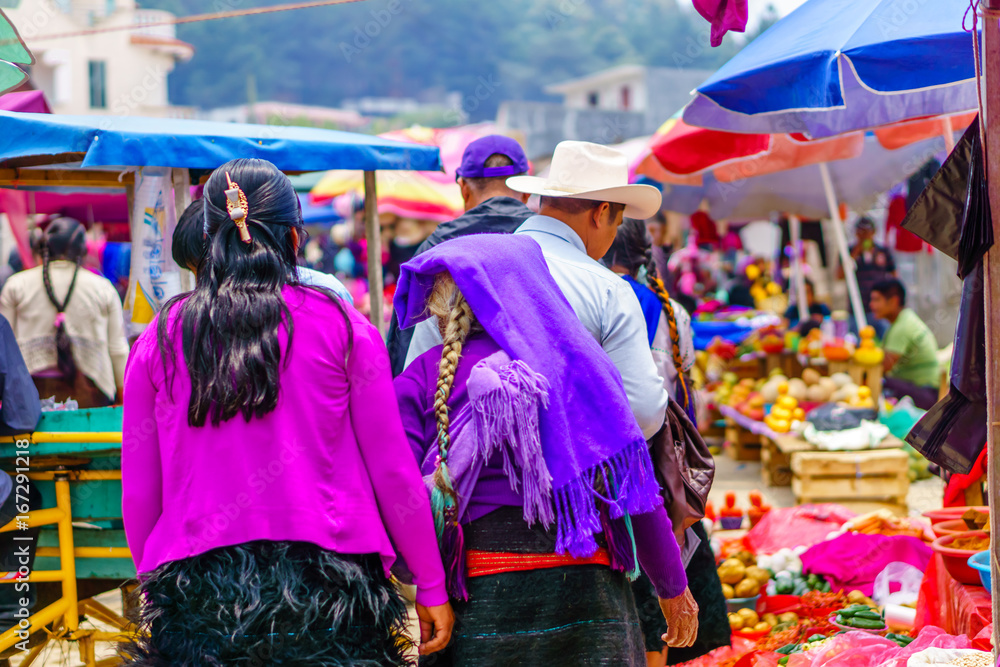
x,y
236,204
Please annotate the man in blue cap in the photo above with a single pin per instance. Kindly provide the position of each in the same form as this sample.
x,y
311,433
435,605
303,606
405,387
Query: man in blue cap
x,y
490,207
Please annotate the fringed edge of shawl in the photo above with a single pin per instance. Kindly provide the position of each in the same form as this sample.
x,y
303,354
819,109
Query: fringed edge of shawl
x,y
629,487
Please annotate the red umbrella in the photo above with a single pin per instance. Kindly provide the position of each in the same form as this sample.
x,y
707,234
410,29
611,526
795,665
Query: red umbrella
x,y
684,151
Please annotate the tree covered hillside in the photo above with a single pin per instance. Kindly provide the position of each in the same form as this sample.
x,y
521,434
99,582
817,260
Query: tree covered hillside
x,y
508,49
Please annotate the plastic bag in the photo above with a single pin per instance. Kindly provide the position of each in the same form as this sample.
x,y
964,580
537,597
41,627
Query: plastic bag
x,y
861,649
951,213
867,435
740,647
851,649
953,432
908,579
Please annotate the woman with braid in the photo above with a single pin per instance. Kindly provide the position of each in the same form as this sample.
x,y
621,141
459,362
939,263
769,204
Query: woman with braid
x,y
68,321
671,339
540,480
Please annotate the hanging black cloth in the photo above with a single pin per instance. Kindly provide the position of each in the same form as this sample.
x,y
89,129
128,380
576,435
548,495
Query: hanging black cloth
x,y
953,212
953,432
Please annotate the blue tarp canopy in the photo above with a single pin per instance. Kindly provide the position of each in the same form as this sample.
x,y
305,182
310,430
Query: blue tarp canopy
x,y
126,141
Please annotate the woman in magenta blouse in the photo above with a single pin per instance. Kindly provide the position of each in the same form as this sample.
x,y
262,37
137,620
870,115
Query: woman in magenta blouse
x,y
267,481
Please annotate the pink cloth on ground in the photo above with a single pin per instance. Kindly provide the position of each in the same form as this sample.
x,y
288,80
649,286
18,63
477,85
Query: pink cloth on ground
x,y
724,15
853,560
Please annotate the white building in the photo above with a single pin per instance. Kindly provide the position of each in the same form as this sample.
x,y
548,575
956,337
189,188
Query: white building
x,y
83,68
607,107
283,113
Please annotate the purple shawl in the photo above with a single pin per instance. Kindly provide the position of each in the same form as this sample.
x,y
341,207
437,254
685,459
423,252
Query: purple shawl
x,y
587,431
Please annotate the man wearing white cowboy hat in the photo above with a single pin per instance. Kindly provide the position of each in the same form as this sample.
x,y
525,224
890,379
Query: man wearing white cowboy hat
x,y
583,201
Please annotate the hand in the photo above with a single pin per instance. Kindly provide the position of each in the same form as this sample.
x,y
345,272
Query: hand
x,y
435,627
681,613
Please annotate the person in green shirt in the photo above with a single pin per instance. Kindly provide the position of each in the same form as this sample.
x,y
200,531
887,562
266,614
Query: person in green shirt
x,y
911,364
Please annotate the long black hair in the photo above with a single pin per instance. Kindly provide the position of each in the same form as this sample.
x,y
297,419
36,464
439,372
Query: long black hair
x,y
230,323
187,246
66,239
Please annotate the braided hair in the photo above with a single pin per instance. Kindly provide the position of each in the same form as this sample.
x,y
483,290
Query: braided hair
x,y
660,290
632,249
64,238
456,321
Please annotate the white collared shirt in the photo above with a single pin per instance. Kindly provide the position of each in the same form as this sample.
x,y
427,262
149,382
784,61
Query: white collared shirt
x,y
606,306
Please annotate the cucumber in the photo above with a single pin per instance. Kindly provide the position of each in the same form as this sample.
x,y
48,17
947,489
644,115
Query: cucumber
x,y
783,660
865,623
873,615
816,638
852,610
787,649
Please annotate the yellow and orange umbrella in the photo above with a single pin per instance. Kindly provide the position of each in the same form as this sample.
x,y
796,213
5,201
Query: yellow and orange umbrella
x,y
425,195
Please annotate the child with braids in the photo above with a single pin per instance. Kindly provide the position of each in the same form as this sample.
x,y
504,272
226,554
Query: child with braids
x,y
540,480
671,339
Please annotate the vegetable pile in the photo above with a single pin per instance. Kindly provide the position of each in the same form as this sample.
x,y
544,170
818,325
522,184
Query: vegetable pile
x,y
862,617
741,576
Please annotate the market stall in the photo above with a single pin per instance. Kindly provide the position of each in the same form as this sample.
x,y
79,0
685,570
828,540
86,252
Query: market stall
x,y
75,455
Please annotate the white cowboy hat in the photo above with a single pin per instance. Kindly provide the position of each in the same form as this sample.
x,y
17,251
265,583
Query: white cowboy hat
x,y
582,170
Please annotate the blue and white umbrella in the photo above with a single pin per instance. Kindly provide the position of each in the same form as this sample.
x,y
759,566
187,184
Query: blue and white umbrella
x,y
833,66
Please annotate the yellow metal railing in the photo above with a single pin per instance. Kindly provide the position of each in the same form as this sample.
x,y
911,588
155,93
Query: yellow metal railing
x,y
64,614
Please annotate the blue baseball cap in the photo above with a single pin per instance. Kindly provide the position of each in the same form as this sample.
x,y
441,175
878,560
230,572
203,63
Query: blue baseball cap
x,y
476,153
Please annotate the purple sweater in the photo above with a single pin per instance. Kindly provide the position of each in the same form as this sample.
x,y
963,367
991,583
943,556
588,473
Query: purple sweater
x,y
657,549
329,465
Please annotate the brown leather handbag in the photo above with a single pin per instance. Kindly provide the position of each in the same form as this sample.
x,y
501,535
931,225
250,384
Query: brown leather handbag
x,y
684,469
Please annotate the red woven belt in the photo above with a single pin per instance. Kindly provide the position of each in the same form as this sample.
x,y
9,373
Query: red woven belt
x,y
483,563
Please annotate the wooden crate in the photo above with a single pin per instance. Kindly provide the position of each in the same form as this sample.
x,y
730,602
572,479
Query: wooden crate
x,y
867,476
714,425
741,444
750,368
774,362
775,465
792,365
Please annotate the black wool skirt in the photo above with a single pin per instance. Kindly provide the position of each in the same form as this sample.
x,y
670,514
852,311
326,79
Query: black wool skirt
x,y
581,615
270,603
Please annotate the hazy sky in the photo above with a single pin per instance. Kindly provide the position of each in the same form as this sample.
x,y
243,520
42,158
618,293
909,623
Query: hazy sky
x,y
757,8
